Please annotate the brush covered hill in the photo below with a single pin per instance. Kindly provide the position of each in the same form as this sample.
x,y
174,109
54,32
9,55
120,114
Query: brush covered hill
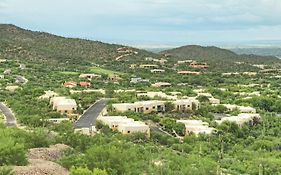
x,y
221,59
18,43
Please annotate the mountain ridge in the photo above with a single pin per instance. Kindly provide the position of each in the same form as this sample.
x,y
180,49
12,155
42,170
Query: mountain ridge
x,y
203,53
19,43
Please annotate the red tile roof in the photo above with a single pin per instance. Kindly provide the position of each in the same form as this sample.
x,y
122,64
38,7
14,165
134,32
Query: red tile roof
x,y
83,83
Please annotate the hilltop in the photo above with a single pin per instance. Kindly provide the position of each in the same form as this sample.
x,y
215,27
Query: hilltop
x,y
21,43
200,52
219,58
268,51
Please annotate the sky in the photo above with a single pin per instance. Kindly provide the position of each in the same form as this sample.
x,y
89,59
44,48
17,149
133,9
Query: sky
x,y
150,22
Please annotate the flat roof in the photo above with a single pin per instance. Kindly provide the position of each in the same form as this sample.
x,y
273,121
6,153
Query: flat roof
x,y
64,102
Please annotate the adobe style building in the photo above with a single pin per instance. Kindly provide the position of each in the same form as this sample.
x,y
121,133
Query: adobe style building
x,y
70,84
161,84
197,65
243,118
196,126
138,80
147,107
186,104
157,70
141,106
114,77
157,94
189,73
63,105
125,125
242,109
90,76
148,66
85,84
134,127
48,94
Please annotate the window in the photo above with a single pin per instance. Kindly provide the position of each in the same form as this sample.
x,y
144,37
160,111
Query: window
x,y
128,132
153,107
146,108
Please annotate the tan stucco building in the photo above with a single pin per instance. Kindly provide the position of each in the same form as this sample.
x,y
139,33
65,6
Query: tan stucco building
x,y
196,126
241,119
141,106
186,104
63,104
125,125
148,66
147,107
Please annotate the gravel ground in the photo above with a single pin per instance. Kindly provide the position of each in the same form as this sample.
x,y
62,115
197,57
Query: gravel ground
x,y
40,161
40,167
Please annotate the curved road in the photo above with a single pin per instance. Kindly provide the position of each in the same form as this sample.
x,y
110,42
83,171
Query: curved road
x,y
10,118
88,119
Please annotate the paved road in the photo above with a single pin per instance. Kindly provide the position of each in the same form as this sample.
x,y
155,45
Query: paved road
x,y
10,118
89,118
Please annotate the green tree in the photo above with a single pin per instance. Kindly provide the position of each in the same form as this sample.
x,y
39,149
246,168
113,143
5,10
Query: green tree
x,y
6,171
203,99
38,138
219,109
86,171
11,153
169,106
97,171
80,171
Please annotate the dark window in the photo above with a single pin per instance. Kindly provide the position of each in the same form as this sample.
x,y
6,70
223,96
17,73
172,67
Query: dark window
x,y
128,132
146,108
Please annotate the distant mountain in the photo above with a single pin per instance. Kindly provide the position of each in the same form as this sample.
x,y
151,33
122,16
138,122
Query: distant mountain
x,y
214,53
220,59
267,51
200,53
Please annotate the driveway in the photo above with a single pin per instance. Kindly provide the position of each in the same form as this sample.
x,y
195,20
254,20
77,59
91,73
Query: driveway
x,y
89,117
10,118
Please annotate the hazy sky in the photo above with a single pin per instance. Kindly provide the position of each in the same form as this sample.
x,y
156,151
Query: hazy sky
x,y
149,21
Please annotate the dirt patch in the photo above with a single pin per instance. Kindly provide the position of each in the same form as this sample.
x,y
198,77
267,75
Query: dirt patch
x,y
40,167
40,161
52,153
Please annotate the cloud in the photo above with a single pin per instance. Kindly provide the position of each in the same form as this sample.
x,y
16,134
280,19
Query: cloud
x,y
272,4
158,20
2,4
